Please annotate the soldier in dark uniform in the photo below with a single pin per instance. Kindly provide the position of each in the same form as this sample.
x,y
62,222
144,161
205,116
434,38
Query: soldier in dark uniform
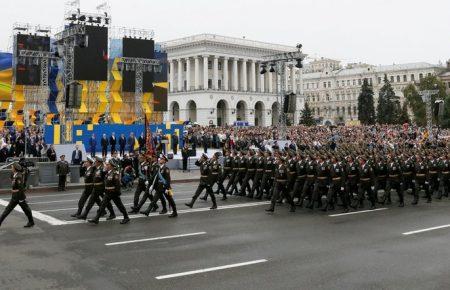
x,y
153,168
421,180
366,181
18,196
300,170
280,183
224,174
88,186
206,179
394,180
242,172
143,169
310,180
292,171
408,173
352,181
434,168
267,183
259,172
234,171
62,169
99,190
445,175
381,173
112,193
337,183
322,181
250,174
163,188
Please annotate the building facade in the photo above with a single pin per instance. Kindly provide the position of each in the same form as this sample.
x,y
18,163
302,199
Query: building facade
x,y
445,77
332,91
216,80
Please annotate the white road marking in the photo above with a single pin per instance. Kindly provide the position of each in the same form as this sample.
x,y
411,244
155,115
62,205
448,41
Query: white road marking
x,y
426,230
357,212
155,239
210,269
52,195
201,209
39,216
52,201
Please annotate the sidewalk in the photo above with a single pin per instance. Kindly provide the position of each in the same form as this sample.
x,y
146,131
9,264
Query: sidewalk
x,y
178,176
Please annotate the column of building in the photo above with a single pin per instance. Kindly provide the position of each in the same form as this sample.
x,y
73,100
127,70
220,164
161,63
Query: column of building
x,y
205,72
188,74
171,76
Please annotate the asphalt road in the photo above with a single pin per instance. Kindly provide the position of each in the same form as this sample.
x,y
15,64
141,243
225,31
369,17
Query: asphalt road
x,y
238,246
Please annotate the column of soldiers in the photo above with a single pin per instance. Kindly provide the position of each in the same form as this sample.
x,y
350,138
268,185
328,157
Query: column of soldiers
x,y
323,178
103,185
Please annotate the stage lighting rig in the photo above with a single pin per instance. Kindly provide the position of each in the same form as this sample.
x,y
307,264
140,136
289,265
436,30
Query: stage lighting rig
x,y
278,64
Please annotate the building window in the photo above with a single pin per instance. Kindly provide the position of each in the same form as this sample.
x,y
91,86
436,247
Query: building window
x,y
318,111
359,82
354,110
379,80
412,77
343,83
184,66
209,83
220,84
329,84
337,96
209,64
449,85
405,78
348,82
392,79
220,65
324,84
349,110
337,84
314,99
343,110
398,79
370,81
354,82
420,76
429,74
337,110
307,86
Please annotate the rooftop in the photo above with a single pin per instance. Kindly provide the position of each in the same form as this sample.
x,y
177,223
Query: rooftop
x,y
226,40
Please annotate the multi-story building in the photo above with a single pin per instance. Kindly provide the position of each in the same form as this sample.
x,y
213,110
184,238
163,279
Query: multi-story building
x,y
332,91
216,80
445,77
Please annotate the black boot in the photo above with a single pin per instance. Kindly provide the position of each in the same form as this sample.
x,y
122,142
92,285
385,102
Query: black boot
x,y
125,220
111,217
30,224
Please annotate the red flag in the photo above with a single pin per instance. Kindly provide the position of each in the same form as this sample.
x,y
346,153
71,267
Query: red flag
x,y
148,138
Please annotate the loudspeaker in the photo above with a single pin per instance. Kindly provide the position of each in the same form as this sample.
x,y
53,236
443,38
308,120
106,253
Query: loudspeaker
x,y
289,104
73,95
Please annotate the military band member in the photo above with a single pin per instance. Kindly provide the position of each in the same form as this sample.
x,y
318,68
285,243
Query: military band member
x,y
112,193
18,196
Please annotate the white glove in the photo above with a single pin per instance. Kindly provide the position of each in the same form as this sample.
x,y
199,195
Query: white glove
x,y
150,189
146,183
342,189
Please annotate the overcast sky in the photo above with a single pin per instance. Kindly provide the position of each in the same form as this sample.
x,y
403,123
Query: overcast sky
x,y
375,31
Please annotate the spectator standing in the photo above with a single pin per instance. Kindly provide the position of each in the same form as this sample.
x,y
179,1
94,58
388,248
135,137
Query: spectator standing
x,y
122,144
62,169
174,143
131,141
113,142
104,143
92,145
51,153
77,156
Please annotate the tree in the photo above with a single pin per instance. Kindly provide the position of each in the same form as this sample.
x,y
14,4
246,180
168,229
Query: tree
x,y
388,108
418,107
366,109
404,116
306,117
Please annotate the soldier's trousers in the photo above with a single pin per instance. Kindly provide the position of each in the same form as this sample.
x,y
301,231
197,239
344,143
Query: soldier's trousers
x,y
246,183
408,182
148,195
445,180
397,185
380,185
87,192
334,191
95,198
10,207
320,188
279,190
307,190
220,187
352,189
106,202
161,195
298,188
265,183
139,189
421,184
238,179
256,186
233,176
434,183
209,191
366,187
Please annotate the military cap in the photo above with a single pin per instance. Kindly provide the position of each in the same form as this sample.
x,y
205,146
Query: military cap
x,y
17,166
112,162
164,157
90,159
98,159
217,154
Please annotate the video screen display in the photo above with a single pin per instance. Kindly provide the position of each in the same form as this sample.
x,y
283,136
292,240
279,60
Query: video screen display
x,y
160,81
91,61
139,48
28,72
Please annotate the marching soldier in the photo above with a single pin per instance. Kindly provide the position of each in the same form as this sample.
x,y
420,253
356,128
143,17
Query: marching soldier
x,y
267,179
250,174
226,173
408,173
365,183
434,170
421,180
300,168
99,189
153,168
322,182
256,186
143,170
394,181
205,182
337,182
234,160
88,186
163,188
445,175
112,193
381,176
352,180
280,183
310,180
18,196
